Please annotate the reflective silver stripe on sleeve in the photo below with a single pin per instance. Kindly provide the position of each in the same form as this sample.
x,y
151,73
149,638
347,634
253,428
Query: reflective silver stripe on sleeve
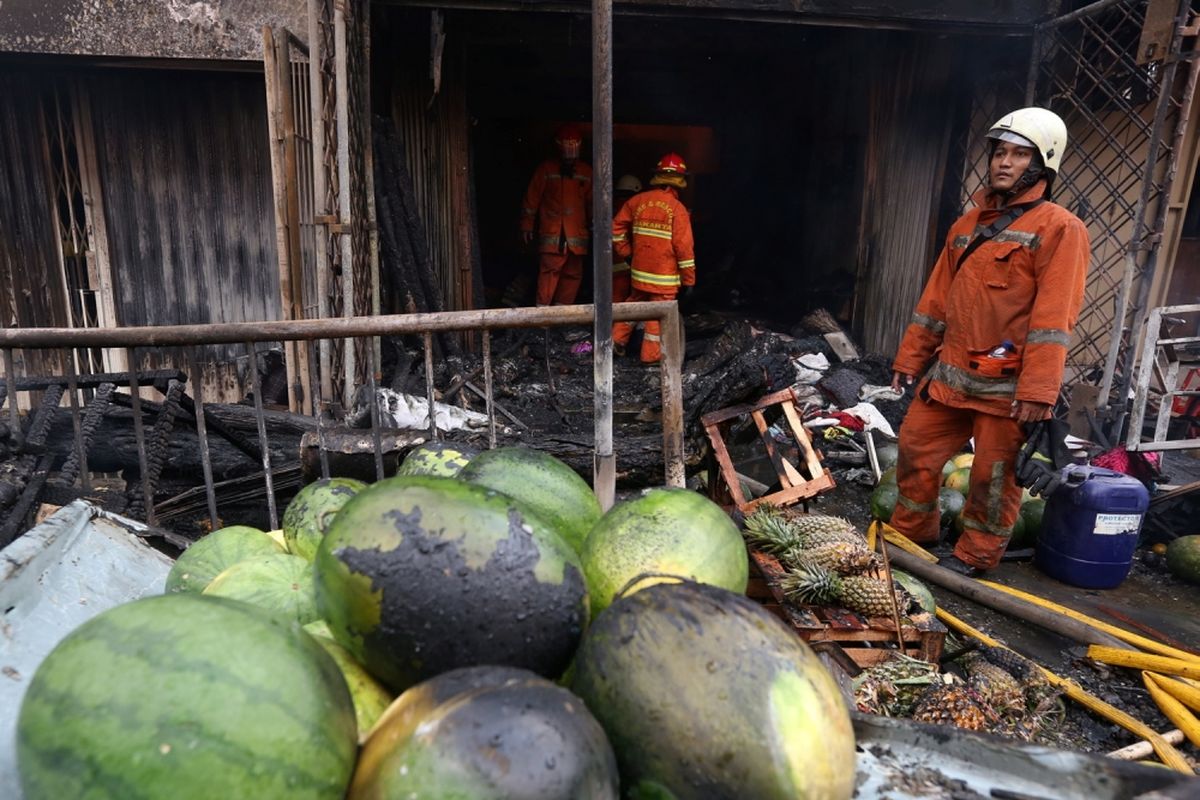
x,y
1048,336
935,325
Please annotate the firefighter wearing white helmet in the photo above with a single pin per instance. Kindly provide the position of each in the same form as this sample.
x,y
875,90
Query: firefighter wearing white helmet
x,y
1039,129
626,187
988,340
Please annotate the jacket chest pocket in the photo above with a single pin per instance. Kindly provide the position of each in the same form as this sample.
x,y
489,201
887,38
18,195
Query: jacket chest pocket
x,y
998,262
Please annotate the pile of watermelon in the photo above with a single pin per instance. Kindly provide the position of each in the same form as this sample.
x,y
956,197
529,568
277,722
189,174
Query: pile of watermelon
x,y
474,627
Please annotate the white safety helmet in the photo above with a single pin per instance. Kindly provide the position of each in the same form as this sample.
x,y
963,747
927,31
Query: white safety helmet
x,y
1039,128
628,183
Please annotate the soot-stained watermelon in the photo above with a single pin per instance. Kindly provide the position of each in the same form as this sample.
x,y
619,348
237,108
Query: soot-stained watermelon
x,y
492,735
439,459
419,575
705,695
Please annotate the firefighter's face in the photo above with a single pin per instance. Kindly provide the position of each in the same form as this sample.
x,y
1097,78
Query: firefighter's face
x,y
1009,162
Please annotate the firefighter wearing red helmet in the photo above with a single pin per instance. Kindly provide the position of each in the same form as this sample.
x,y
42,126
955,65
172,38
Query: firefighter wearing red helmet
x,y
557,211
988,340
653,231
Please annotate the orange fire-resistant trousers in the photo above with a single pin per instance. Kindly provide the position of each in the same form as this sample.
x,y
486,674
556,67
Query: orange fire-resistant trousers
x,y
559,277
932,433
652,332
622,285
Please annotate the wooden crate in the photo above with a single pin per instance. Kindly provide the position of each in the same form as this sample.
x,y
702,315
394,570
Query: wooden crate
x,y
868,640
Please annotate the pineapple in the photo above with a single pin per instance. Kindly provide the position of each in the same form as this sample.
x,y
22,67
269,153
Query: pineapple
x,y
817,586
815,528
1013,663
841,557
953,704
767,529
995,685
892,687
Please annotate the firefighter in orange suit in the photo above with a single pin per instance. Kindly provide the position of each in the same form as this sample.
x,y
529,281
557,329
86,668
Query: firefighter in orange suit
x,y
653,231
558,203
626,187
989,336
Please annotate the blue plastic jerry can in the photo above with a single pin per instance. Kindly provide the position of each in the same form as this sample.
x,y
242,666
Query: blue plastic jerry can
x,y
1090,527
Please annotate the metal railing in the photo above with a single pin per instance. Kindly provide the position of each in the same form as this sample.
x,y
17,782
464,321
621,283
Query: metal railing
x,y
253,334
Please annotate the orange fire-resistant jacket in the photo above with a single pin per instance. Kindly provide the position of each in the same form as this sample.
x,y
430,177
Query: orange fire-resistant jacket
x,y
1024,286
561,206
654,230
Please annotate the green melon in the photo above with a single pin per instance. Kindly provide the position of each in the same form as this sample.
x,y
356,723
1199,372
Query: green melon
x,y
188,697
370,697
312,509
664,532
1183,558
883,501
918,590
963,460
950,503
959,480
1032,512
419,575
281,584
887,455
948,469
523,738
888,476
218,551
439,459
705,694
550,488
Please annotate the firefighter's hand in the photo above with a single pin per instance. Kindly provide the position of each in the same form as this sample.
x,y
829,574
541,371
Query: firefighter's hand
x,y
1028,411
896,378
526,236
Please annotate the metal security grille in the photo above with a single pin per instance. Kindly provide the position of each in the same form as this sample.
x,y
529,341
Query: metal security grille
x,y
1110,70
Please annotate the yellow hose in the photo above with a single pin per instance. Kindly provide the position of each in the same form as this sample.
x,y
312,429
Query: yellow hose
x,y
1185,693
1135,660
897,538
1166,753
1134,639
1171,707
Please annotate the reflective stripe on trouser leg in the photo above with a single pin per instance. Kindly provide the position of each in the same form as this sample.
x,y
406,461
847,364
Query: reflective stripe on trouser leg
x,y
994,498
623,331
569,280
550,267
651,342
930,435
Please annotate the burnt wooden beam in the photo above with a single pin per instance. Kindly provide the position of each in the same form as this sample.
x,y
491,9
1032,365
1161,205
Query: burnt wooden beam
x,y
147,378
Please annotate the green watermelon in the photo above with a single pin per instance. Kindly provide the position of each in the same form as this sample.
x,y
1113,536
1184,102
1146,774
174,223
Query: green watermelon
x,y
419,575
950,503
550,488
370,697
524,738
188,697
312,509
281,584
886,455
918,590
672,532
1031,515
1183,558
439,459
209,557
948,469
883,501
888,476
705,694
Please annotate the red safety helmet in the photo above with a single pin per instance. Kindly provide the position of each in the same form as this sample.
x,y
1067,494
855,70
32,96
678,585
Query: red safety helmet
x,y
671,163
569,139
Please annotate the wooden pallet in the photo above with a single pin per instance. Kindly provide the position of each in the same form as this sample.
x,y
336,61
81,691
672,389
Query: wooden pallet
x,y
801,481
867,640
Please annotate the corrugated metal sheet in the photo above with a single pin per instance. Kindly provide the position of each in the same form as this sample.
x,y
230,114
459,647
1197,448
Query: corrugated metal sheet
x,y
186,177
435,140
31,289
